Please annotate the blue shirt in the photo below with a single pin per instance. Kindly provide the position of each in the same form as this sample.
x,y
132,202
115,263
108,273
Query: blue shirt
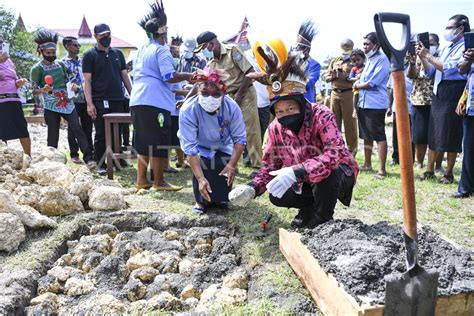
x,y
153,66
409,88
450,56
74,71
203,134
470,93
313,70
376,74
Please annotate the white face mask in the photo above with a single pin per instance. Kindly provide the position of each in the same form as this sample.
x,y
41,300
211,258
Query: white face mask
x,y
433,49
345,56
449,35
371,53
188,55
207,53
210,104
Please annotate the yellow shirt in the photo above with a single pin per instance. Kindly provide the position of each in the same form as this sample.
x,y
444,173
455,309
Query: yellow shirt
x,y
234,62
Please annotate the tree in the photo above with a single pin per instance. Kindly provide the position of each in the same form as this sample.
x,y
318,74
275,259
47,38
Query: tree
x,y
22,46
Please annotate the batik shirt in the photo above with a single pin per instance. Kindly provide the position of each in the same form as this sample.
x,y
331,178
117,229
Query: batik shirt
x,y
313,153
57,100
74,71
190,65
470,91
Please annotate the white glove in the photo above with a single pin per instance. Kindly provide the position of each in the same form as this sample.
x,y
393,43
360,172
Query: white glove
x,y
241,195
284,179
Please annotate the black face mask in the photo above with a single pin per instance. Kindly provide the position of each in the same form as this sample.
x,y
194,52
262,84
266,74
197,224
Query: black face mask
x,y
105,41
50,58
293,122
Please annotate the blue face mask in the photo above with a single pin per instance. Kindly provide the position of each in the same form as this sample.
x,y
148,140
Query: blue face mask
x,y
207,53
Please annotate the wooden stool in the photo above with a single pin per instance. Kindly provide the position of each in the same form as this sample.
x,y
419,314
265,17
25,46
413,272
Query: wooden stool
x,y
112,146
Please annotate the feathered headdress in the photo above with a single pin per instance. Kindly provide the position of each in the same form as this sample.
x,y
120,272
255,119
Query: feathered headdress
x,y
155,21
46,39
284,73
306,33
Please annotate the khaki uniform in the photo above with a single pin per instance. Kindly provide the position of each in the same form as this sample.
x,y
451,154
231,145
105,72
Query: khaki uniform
x,y
341,101
233,61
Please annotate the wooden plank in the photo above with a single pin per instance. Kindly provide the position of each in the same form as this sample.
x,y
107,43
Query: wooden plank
x,y
331,297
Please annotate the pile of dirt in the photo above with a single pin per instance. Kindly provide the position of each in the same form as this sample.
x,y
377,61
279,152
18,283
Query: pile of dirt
x,y
173,269
360,256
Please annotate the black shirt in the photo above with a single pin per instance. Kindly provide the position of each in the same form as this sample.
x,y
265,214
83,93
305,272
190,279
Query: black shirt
x,y
106,68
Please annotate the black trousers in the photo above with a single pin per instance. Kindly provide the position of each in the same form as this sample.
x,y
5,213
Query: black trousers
x,y
86,125
395,155
319,198
125,128
264,118
466,183
53,120
211,169
99,139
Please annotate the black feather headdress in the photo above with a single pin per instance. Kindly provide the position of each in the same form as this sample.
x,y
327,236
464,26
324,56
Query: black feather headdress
x,y
46,38
155,21
306,33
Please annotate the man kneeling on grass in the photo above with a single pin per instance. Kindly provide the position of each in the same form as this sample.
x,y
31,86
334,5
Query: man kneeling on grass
x,y
306,164
212,135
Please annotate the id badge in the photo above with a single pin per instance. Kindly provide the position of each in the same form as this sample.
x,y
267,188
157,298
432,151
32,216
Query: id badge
x,y
106,104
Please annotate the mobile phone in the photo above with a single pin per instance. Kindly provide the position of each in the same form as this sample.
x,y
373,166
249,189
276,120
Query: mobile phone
x,y
411,47
469,40
6,48
424,38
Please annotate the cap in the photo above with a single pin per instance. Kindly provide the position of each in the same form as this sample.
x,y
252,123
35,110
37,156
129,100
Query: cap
x,y
204,38
101,28
346,46
189,44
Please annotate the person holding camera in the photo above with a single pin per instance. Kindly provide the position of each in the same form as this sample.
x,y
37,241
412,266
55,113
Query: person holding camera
x,y
341,95
445,127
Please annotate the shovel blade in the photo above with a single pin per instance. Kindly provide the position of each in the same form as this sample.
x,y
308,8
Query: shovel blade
x,y
412,293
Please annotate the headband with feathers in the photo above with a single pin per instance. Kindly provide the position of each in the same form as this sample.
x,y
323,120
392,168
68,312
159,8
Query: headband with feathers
x,y
155,21
46,38
306,33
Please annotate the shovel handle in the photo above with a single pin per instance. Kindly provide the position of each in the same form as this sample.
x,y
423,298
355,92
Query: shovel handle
x,y
396,56
405,154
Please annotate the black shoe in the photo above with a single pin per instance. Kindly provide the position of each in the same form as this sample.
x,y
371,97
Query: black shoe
x,y
248,163
101,171
299,220
253,174
315,220
123,163
459,195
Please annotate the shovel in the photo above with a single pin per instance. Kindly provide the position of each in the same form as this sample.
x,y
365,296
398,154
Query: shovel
x,y
414,292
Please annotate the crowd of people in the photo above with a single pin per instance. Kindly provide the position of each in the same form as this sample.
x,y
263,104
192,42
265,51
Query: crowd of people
x,y
214,103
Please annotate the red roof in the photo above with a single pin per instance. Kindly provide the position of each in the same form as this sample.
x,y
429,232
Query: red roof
x,y
116,42
84,30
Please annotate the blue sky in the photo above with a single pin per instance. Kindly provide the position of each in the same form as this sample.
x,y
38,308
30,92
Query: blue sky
x,y
336,20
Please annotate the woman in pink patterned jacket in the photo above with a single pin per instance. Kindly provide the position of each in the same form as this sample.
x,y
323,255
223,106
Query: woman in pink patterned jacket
x,y
306,164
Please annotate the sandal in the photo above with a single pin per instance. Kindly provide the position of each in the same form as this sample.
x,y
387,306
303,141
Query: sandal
x,y
426,175
143,186
446,179
170,170
167,188
365,168
198,210
380,176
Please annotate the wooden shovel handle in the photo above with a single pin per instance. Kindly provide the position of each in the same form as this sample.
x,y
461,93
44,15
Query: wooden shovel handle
x,y
405,154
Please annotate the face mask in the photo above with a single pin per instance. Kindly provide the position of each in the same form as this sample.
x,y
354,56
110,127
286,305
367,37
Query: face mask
x,y
293,122
188,55
105,41
345,56
210,104
371,53
449,35
433,49
50,58
207,53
